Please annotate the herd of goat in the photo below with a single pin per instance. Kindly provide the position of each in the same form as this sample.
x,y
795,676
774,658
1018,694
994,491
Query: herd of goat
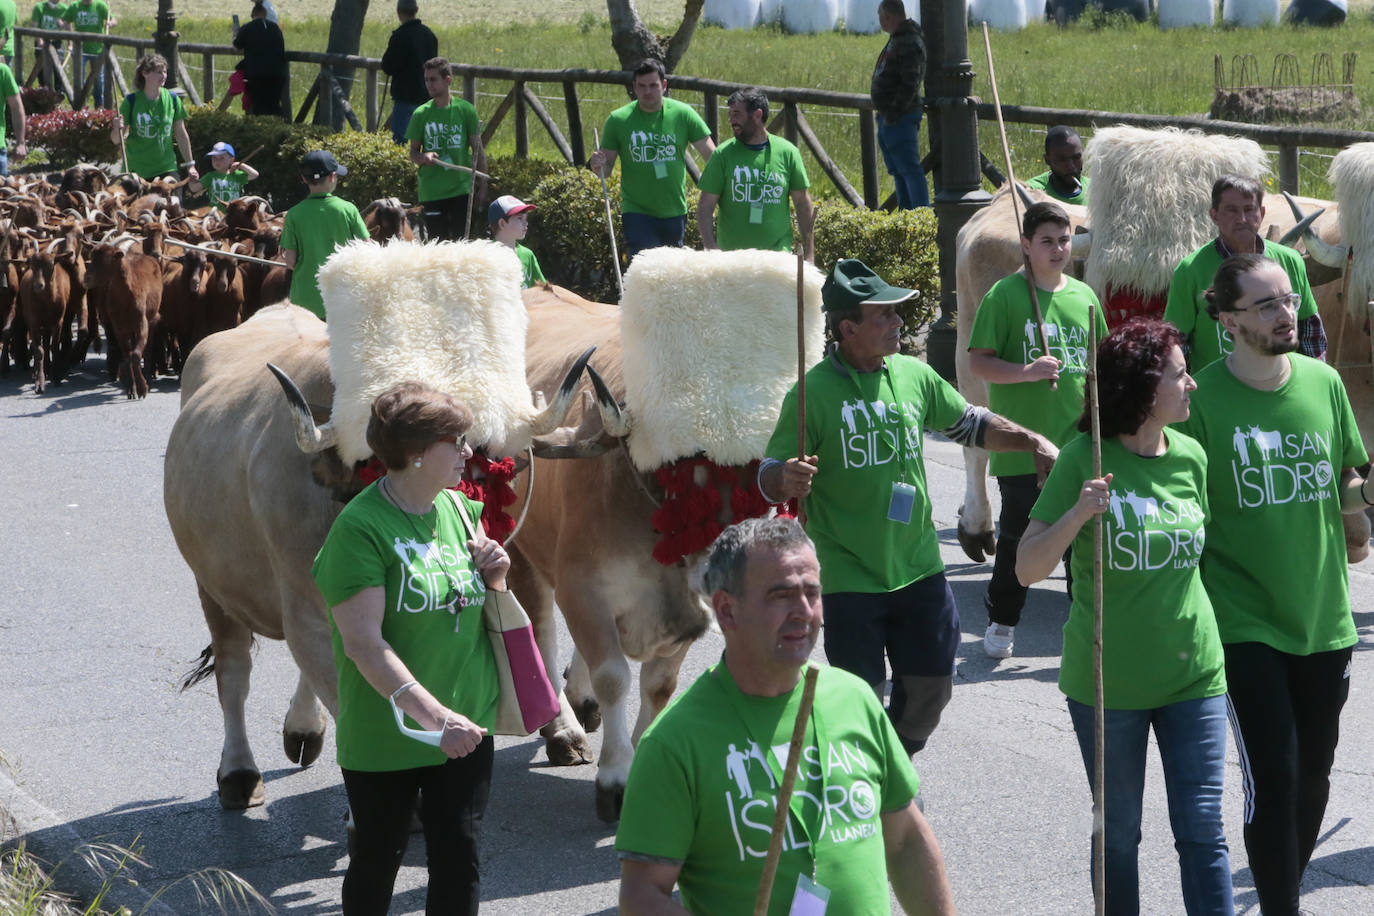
x,y
83,253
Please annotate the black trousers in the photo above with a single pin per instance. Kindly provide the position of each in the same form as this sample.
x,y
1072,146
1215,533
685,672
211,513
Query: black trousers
x,y
1006,595
444,218
1285,715
265,96
453,797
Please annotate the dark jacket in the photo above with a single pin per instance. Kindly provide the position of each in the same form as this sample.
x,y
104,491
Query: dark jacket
x,y
411,44
264,50
900,71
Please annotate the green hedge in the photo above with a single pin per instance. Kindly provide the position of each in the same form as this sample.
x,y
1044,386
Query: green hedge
x,y
280,180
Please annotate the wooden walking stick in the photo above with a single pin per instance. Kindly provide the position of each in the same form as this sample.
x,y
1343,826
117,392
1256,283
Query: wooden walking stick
x,y
1015,203
610,226
784,800
1099,701
801,369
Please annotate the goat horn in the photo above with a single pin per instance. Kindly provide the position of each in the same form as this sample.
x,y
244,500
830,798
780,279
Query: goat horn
x,y
309,437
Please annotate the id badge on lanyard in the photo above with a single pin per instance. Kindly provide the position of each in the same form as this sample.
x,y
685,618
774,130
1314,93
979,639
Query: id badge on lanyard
x,y
810,898
660,169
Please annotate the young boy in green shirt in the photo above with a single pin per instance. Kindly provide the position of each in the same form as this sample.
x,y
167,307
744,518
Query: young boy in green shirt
x,y
316,226
225,182
510,220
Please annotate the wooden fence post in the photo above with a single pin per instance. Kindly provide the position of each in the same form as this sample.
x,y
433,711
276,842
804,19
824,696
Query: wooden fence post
x,y
868,146
19,58
522,127
710,113
374,114
207,75
579,150
532,101
789,122
1288,168
470,89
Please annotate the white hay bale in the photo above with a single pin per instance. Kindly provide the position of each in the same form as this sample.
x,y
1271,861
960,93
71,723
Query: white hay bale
x,y
1181,14
998,14
805,17
861,16
770,11
1151,193
1352,179
448,314
710,349
1035,11
731,14
1250,13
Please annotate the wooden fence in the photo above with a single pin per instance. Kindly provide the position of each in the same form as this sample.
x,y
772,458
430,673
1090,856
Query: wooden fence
x,y
569,136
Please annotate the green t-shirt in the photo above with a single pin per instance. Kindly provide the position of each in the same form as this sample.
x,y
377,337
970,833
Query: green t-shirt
x,y
854,421
225,186
436,630
1187,309
1041,182
47,16
703,787
8,89
1005,322
1275,563
151,149
9,16
753,186
651,147
88,18
313,228
1159,637
449,132
529,267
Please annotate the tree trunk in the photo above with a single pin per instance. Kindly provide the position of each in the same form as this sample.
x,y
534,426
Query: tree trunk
x,y
345,37
633,42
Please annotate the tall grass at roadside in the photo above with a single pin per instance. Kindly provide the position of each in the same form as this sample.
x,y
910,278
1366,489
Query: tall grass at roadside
x,y
1105,65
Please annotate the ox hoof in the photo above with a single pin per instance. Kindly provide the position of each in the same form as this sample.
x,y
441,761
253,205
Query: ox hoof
x,y
240,789
567,748
608,802
978,546
588,712
302,747
1354,553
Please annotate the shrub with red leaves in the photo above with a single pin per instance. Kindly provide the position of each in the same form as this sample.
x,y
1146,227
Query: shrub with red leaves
x,y
40,100
70,137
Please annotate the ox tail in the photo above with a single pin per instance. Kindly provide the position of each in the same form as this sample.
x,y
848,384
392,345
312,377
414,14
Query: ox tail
x,y
204,667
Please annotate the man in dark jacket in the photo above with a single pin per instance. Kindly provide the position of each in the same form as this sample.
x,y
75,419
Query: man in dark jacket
x,y
264,62
411,44
896,94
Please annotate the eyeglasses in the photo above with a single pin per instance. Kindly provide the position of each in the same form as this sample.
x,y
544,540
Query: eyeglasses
x,y
1269,308
459,441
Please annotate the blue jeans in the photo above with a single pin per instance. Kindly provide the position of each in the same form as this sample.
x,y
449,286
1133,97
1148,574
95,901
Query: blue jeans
x,y
1192,747
88,61
902,156
4,160
400,120
643,232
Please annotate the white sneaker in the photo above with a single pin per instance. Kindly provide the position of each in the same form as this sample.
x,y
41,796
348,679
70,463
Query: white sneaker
x,y
998,640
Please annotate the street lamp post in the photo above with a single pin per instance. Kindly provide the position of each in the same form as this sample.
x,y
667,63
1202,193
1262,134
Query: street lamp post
x,y
953,126
165,40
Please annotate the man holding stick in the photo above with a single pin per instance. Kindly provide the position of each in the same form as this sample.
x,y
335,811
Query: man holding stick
x,y
444,132
699,802
863,478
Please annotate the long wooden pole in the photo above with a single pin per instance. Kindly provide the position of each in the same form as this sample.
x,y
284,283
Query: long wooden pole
x,y
610,225
801,369
227,254
455,167
784,800
1015,203
1099,700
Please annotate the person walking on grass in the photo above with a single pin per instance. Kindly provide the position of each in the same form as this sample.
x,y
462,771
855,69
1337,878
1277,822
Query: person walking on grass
x,y
896,94
445,131
92,17
410,45
265,69
653,132
1006,351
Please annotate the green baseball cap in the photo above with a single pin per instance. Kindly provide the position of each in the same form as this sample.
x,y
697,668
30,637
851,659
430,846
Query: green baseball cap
x,y
852,283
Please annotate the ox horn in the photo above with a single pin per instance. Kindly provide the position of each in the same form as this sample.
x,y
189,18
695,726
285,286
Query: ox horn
x,y
1322,251
1026,199
1081,244
614,418
309,437
551,417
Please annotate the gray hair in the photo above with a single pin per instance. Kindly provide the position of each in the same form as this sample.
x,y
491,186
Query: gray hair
x,y
724,566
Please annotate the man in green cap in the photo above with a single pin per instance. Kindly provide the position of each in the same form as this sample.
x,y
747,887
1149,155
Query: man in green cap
x,y
863,477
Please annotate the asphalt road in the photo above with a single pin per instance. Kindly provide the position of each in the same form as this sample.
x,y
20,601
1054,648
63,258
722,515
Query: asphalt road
x,y
99,621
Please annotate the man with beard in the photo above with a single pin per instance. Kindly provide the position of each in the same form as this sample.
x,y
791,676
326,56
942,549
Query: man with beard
x,y
1282,448
1064,155
704,783
751,178
1237,210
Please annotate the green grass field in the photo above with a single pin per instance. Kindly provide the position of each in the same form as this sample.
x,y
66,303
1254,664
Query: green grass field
x,y
1112,67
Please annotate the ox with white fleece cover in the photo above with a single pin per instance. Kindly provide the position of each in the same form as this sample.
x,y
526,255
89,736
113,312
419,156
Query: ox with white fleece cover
x,y
445,313
710,343
1151,193
1352,179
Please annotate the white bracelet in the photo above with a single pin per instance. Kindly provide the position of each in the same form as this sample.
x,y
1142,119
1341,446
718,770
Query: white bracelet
x,y
403,688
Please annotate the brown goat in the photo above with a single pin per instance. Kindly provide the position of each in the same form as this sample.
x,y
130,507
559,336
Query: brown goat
x,y
386,220
43,294
131,295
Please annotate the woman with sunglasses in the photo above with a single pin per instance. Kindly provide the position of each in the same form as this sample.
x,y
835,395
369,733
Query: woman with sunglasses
x,y
405,584
1161,655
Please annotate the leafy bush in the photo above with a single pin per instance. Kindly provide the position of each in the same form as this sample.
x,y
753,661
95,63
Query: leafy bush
x,y
40,100
899,246
69,137
280,181
377,166
513,175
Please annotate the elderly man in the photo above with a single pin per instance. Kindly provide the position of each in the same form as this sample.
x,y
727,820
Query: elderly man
x,y
701,794
863,478
750,178
1238,211
896,93
653,132
1282,449
1064,155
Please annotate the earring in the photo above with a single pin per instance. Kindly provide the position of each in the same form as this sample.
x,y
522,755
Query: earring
x,y
417,462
